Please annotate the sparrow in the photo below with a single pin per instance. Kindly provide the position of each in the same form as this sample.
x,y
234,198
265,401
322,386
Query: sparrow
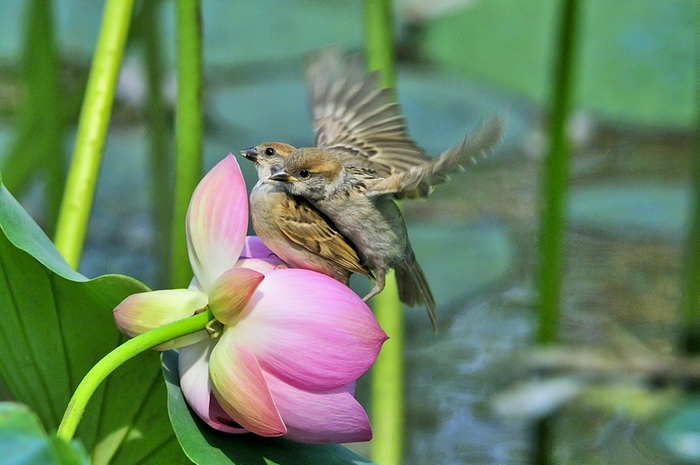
x,y
359,132
295,231
354,193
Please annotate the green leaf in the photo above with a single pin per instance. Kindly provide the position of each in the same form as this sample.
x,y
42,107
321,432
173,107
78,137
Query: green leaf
x,y
204,445
23,440
55,324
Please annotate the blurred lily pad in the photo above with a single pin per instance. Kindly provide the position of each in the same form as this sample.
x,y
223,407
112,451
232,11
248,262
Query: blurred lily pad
x,y
635,57
461,258
679,433
234,33
635,210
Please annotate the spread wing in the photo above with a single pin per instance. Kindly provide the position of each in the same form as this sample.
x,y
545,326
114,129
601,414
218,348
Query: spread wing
x,y
305,226
419,181
353,115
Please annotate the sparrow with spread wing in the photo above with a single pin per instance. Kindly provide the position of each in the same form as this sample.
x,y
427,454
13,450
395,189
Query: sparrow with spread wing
x,y
338,197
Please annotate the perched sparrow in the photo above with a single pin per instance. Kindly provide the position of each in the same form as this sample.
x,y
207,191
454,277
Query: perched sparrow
x,y
295,231
354,194
337,186
363,159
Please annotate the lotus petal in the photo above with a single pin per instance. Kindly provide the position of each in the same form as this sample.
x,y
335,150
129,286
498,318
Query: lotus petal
x,y
239,386
263,265
217,221
332,416
309,330
230,293
254,247
193,362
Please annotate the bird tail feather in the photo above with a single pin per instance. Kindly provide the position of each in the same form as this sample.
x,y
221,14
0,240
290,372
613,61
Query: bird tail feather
x,y
414,288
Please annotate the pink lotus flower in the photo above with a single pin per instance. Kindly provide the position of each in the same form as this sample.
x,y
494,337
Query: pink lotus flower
x,y
290,343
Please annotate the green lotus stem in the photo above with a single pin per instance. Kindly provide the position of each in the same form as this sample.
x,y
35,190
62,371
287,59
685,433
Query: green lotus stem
x,y
39,140
111,361
556,171
379,39
554,190
387,405
92,130
160,160
188,130
48,104
690,338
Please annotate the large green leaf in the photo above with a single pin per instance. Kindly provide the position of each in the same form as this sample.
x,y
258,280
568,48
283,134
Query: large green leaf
x,y
23,441
636,58
206,446
55,324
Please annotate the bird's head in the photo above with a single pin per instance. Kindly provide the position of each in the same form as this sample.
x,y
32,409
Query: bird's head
x,y
310,173
268,157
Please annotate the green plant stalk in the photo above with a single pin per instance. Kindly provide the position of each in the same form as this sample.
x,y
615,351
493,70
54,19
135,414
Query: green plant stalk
x,y
114,359
690,340
39,140
554,191
555,180
543,441
387,405
160,161
92,130
379,39
188,130
53,122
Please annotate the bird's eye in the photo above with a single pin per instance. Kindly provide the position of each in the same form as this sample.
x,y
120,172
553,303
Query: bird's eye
x,y
304,174
269,151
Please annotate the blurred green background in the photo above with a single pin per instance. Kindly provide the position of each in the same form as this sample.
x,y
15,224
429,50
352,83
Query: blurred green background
x,y
459,63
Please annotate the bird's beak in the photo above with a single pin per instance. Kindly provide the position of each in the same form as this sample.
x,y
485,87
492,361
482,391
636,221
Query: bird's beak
x,y
250,153
281,176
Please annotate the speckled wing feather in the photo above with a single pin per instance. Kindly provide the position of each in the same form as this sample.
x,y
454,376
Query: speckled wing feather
x,y
304,225
420,180
352,115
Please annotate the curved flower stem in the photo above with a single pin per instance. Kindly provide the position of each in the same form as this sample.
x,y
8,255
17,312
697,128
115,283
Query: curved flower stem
x,y
92,130
111,361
